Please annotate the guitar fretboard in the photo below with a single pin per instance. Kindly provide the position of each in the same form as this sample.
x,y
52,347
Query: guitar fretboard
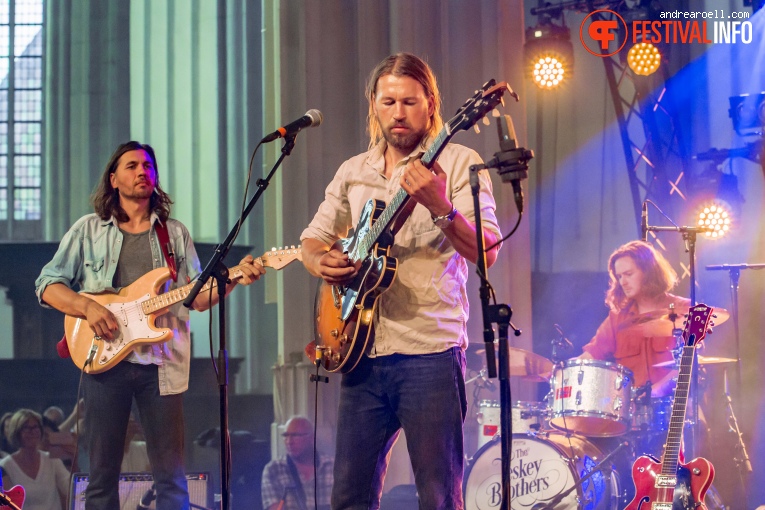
x,y
677,421
400,199
171,297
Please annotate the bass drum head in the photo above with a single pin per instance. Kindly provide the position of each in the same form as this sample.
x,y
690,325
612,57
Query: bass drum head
x,y
540,471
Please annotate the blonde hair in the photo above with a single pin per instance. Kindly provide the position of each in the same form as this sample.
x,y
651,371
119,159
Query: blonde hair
x,y
18,420
403,64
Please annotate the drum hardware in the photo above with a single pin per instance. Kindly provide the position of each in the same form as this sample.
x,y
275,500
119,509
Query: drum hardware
x,y
742,458
527,365
601,467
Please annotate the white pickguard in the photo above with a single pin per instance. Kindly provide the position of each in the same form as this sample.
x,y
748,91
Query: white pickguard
x,y
133,325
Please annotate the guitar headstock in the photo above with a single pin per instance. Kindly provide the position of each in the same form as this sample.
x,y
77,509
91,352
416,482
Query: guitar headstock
x,y
278,258
478,106
696,324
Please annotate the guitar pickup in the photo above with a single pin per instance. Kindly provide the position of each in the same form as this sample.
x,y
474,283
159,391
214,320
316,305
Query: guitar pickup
x,y
666,481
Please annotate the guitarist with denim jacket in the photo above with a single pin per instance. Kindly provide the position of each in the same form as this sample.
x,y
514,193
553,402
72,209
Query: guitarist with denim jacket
x,y
101,253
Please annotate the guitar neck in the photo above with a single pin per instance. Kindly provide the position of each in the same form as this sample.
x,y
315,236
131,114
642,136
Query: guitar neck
x,y
169,298
395,210
677,421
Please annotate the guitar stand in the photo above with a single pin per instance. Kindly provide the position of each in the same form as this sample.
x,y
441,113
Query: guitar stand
x,y
600,467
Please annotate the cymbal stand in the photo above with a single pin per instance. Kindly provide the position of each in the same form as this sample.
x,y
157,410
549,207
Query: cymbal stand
x,y
741,459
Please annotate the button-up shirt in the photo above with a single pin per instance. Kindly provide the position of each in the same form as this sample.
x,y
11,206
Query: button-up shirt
x,y
86,261
425,309
278,485
629,348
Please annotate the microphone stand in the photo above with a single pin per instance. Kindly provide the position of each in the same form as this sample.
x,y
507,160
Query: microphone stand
x,y
511,163
689,236
216,269
499,314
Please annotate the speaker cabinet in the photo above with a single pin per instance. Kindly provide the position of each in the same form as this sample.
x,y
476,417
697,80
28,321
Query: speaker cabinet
x,y
135,486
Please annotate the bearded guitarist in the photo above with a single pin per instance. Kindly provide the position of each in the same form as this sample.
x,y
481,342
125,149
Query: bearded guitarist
x,y
412,375
129,235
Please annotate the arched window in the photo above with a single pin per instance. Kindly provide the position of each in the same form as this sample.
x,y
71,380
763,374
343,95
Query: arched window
x,y
21,108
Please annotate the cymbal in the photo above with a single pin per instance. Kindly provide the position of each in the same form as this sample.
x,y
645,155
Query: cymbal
x,y
703,360
527,365
658,323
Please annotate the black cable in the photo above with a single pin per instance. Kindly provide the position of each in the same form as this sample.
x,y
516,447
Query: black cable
x,y
517,224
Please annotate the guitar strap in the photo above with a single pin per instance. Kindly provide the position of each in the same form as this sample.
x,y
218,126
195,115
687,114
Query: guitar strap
x,y
300,493
167,251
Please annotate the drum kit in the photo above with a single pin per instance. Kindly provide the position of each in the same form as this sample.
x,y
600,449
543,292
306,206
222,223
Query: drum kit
x,y
574,450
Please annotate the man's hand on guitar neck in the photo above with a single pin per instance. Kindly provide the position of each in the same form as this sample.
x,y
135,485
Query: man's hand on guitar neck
x,y
250,269
331,264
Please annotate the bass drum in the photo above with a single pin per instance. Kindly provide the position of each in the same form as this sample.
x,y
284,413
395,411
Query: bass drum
x,y
542,467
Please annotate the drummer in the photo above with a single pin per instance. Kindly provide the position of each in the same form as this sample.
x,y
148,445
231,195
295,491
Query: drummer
x,y
640,281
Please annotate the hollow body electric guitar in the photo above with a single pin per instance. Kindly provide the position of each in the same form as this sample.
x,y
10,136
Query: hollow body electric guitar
x,y
136,307
13,498
670,484
344,315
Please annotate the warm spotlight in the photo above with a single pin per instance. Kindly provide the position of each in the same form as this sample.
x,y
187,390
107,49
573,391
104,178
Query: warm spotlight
x,y
715,216
549,55
644,58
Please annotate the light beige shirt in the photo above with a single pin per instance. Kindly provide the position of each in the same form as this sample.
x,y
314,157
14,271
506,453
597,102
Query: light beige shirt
x,y
425,310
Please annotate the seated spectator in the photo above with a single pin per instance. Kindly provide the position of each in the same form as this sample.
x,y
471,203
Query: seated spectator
x,y
288,482
44,479
5,443
55,415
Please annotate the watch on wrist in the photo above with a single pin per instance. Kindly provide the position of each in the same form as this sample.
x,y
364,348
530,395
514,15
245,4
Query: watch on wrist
x,y
445,220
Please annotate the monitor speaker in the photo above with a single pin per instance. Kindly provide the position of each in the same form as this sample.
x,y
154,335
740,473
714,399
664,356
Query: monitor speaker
x,y
137,486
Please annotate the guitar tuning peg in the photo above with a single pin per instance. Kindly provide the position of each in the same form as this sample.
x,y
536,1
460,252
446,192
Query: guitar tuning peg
x,y
292,247
273,248
714,315
502,100
709,331
485,120
495,113
711,324
476,128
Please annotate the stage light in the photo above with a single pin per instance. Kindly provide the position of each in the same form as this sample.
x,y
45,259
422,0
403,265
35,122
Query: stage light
x,y
748,113
549,54
716,217
644,58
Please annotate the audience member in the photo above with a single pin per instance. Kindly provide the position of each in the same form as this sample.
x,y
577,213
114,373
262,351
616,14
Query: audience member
x,y
45,480
288,482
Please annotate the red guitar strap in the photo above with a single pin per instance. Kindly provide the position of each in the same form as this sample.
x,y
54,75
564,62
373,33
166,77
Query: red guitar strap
x,y
167,251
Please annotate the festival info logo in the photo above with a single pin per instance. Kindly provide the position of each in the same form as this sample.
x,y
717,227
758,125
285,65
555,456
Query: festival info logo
x,y
604,32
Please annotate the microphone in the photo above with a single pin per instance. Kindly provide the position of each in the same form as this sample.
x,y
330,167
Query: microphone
x,y
511,161
149,496
644,222
310,119
565,342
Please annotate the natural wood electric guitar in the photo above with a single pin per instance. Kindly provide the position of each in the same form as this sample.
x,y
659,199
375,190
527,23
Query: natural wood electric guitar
x,y
670,484
344,315
136,308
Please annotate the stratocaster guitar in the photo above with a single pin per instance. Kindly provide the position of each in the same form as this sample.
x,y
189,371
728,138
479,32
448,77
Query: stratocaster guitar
x,y
136,308
670,484
344,315
13,498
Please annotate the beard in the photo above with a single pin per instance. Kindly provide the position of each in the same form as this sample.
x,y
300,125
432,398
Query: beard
x,y
404,143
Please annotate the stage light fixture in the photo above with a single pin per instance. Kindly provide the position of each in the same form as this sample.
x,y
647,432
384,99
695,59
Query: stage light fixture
x,y
748,113
549,54
644,58
715,216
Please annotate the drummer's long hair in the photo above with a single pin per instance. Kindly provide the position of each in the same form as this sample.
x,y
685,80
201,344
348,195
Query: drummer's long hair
x,y
658,275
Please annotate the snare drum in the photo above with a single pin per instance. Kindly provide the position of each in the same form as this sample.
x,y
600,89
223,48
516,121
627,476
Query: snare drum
x,y
591,397
527,417
542,466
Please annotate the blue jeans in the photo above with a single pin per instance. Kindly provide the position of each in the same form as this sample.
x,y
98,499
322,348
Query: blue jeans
x,y
423,395
108,399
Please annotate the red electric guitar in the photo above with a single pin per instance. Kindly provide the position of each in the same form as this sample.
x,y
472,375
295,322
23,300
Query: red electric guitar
x,y
13,498
670,484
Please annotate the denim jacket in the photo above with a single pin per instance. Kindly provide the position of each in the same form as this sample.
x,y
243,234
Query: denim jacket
x,y
86,261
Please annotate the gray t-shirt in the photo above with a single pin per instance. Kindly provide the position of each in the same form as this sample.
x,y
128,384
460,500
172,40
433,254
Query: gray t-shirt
x,y
135,258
